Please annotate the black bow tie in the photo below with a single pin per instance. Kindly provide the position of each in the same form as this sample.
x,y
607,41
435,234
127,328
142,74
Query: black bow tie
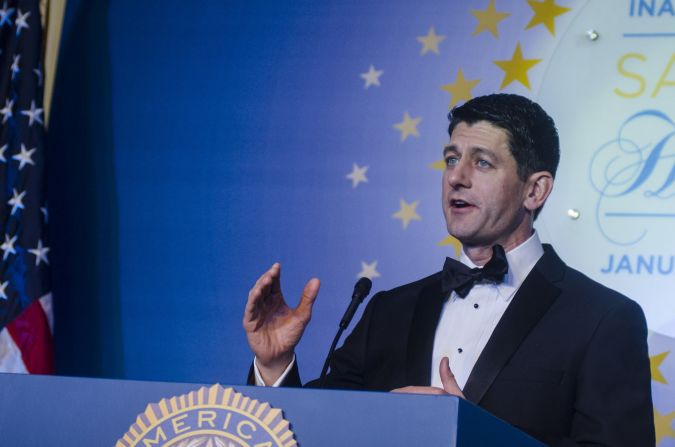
x,y
461,278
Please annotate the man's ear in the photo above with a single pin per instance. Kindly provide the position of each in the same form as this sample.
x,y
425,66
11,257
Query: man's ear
x,y
538,187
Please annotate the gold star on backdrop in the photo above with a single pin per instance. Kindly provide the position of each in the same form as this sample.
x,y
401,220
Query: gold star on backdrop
x,y
430,42
408,126
545,13
654,364
407,212
454,242
663,423
516,68
438,165
488,19
460,90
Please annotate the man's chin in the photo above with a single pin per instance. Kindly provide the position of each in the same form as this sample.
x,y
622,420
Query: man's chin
x,y
460,236
467,238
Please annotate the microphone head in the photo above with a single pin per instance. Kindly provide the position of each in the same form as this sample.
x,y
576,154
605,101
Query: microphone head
x,y
362,287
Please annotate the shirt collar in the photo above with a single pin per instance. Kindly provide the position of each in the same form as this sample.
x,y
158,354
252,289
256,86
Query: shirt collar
x,y
521,262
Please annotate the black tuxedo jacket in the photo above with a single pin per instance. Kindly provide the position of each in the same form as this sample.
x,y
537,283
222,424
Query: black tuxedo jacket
x,y
567,362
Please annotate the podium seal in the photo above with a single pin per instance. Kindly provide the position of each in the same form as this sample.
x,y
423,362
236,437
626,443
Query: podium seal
x,y
209,417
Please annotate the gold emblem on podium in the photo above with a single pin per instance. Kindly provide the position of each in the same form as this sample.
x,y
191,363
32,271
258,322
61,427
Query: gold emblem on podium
x,y
209,417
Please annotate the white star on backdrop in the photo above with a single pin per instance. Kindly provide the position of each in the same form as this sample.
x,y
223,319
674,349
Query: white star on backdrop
x,y
372,77
369,270
358,175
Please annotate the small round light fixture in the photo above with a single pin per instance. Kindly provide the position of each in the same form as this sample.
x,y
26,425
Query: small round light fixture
x,y
592,35
573,213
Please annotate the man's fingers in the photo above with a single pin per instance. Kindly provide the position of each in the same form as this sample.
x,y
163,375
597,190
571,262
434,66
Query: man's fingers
x,y
309,294
419,390
448,378
274,270
275,275
260,292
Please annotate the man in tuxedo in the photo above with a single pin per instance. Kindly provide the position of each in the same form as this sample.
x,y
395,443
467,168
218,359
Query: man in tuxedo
x,y
510,327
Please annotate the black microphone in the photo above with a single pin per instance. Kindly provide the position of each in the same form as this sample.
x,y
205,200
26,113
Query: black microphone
x,y
361,290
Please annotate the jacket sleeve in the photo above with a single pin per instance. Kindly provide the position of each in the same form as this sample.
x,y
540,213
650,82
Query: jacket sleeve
x,y
348,365
613,405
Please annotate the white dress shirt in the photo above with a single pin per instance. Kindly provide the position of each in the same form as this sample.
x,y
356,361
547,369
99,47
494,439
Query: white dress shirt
x,y
466,324
258,377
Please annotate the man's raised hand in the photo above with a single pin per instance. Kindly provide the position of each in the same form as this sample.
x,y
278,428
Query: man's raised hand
x,y
272,328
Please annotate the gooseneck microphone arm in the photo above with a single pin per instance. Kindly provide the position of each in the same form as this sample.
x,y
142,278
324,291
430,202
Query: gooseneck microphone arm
x,y
361,290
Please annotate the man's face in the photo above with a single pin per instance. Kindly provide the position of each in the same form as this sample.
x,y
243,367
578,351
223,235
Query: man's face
x,y
483,197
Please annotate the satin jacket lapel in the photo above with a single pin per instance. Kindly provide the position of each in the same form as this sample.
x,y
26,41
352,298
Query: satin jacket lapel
x,y
422,331
531,302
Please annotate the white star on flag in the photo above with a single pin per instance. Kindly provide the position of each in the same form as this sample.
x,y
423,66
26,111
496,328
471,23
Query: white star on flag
x,y
40,253
3,294
7,110
38,73
25,156
5,14
3,149
8,246
21,21
16,201
358,175
15,65
33,114
368,270
372,77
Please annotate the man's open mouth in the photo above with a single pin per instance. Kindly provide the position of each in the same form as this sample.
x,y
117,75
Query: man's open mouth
x,y
456,203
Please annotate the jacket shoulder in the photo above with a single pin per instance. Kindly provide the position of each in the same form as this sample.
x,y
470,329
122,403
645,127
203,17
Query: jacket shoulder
x,y
579,289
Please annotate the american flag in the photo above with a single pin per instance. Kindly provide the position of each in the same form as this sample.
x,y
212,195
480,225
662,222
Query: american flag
x,y
25,298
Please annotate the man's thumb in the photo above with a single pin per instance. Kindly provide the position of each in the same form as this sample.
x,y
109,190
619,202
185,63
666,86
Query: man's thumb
x,y
448,378
309,294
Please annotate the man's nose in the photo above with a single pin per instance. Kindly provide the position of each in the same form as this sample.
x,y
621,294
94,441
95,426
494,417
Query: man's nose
x,y
459,176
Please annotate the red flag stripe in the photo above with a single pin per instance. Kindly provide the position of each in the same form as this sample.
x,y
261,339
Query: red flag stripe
x,y
30,331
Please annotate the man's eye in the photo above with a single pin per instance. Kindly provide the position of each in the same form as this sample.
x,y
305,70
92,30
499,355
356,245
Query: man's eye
x,y
484,164
451,161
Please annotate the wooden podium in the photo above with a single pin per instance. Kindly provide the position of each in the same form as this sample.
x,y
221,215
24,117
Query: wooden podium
x,y
68,411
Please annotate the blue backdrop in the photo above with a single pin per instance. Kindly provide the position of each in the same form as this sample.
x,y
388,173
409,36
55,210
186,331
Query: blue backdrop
x,y
193,148
191,145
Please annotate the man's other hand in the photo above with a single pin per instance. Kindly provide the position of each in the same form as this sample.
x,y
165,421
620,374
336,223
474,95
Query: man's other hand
x,y
447,378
